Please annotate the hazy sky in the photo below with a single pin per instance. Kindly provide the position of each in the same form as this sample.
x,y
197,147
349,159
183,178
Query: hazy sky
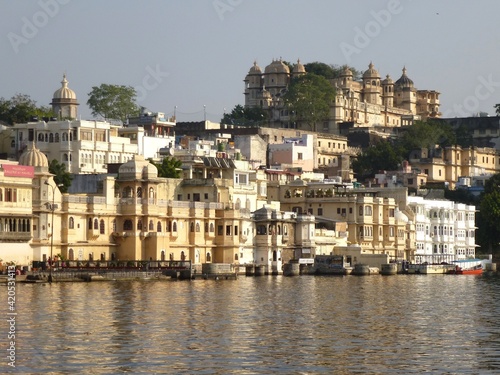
x,y
196,53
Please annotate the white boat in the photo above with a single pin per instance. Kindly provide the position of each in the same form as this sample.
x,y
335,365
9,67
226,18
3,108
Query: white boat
x,y
428,268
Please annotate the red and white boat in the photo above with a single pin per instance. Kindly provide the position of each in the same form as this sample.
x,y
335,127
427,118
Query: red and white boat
x,y
468,267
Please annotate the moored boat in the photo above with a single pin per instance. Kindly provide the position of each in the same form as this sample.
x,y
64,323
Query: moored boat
x,y
468,267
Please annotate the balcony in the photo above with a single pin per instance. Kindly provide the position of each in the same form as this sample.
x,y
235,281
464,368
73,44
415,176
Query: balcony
x,y
15,236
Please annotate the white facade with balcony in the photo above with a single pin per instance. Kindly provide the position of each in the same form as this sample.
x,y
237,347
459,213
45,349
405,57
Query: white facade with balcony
x,y
444,230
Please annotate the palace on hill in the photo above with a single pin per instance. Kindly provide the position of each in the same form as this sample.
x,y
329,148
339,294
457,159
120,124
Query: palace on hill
x,y
371,101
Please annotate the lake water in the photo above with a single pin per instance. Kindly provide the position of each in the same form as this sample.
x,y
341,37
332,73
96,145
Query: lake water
x,y
404,324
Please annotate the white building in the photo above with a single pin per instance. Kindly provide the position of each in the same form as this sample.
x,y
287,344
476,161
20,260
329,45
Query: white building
x,y
296,152
444,230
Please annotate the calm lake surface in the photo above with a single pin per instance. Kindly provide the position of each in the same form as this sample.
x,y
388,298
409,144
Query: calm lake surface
x,y
404,324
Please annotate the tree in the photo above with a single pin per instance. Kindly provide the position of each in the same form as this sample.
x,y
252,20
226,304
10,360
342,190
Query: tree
x,y
497,109
382,156
426,135
61,177
113,101
169,167
245,116
330,71
20,108
309,98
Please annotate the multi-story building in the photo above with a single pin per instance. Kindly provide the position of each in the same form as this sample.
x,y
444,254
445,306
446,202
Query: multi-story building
x,y
447,165
444,230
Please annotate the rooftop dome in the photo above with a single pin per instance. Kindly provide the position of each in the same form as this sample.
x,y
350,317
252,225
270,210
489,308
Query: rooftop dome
x,y
64,92
404,80
388,80
137,169
371,72
277,66
299,68
255,69
33,157
346,72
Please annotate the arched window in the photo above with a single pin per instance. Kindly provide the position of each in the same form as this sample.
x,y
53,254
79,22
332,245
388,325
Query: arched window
x,y
40,137
206,227
71,223
139,192
158,226
174,226
183,256
197,227
360,210
51,138
151,225
368,210
64,137
46,137
102,227
151,192
212,227
65,157
96,224
71,254
191,227
285,230
56,138
127,224
209,257
90,223
127,192
162,255
139,224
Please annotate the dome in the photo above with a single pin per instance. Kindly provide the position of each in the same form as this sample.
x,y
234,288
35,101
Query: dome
x,y
388,80
346,72
371,72
299,68
404,80
136,169
401,216
277,66
64,92
33,157
255,69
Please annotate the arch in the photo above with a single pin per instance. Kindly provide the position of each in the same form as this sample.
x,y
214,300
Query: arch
x,y
96,224
197,226
275,256
162,255
151,226
64,137
174,226
56,137
151,193
127,192
90,223
209,257
71,223
139,192
102,227
71,254
40,137
51,138
127,224
158,226
183,256
46,137
212,227
139,224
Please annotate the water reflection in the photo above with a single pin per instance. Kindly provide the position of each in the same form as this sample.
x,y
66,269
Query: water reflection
x,y
263,325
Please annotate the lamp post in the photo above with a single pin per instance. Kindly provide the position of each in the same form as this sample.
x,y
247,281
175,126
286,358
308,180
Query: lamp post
x,y
52,208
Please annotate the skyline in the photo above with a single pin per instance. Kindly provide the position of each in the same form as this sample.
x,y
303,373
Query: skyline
x,y
193,55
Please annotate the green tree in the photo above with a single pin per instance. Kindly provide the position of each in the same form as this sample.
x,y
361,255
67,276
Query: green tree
x,y
426,135
330,71
169,167
113,101
245,116
309,98
61,177
381,156
20,108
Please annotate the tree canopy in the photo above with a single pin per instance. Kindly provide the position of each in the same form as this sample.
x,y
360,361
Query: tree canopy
x,y
20,108
426,135
330,71
61,177
113,101
245,116
170,167
309,98
382,156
